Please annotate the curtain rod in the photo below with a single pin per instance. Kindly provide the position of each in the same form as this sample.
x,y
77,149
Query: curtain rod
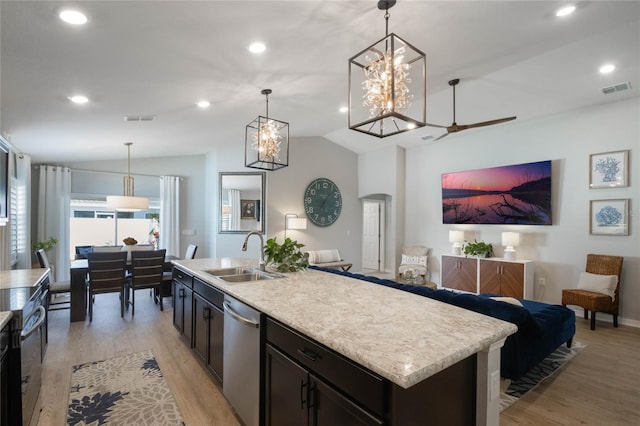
x,y
101,172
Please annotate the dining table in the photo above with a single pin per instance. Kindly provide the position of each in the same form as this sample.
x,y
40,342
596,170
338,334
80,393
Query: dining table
x,y
78,285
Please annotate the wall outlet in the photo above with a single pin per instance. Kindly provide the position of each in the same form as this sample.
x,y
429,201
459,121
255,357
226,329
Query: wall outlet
x,y
542,281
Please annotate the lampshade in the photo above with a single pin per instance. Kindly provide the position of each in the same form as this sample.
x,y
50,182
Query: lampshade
x,y
266,143
226,209
456,237
128,201
387,85
510,240
292,221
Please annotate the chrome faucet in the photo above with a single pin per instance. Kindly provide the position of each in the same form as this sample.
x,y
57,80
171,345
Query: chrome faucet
x,y
261,262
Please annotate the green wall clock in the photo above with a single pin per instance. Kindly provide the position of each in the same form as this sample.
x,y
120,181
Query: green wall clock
x,y
322,202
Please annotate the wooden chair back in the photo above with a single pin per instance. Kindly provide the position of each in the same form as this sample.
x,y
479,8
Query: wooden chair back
x,y
147,268
107,271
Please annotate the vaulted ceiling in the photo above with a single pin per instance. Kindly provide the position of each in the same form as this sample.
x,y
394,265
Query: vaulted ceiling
x,y
160,57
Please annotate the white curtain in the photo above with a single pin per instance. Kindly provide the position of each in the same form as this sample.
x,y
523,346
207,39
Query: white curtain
x,y
234,200
23,210
170,214
54,197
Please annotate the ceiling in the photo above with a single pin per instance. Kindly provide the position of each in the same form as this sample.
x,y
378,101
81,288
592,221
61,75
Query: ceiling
x,y
161,57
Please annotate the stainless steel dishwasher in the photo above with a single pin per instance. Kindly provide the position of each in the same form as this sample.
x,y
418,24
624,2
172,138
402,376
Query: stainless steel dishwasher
x,y
241,360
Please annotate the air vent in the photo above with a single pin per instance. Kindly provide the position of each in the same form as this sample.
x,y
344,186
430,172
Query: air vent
x,y
139,117
617,87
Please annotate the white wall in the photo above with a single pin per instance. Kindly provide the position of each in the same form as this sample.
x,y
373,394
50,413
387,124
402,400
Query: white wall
x,y
559,250
309,158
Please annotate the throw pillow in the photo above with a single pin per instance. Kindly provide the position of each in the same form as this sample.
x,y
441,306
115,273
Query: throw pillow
x,y
511,300
413,260
605,284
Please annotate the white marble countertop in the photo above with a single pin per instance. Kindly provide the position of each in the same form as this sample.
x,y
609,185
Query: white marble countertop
x,y
403,337
5,317
17,278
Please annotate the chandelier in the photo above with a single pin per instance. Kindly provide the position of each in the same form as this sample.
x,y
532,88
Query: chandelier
x,y
266,142
387,85
128,201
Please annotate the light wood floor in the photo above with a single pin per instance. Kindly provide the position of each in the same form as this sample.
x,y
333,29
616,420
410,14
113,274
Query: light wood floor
x,y
600,386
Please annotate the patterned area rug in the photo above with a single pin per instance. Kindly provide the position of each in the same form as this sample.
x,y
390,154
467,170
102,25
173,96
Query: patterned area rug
x,y
514,390
125,390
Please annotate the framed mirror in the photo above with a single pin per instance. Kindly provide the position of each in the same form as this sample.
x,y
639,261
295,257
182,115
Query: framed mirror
x,y
242,202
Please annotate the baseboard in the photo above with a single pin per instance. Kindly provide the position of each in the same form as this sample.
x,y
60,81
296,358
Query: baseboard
x,y
604,317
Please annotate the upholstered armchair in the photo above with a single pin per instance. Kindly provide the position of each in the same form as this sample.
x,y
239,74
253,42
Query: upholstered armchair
x,y
415,258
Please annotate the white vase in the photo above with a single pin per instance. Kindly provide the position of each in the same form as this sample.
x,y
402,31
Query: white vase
x,y
128,249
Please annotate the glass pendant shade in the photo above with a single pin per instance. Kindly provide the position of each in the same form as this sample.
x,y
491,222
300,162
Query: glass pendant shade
x,y
266,142
387,86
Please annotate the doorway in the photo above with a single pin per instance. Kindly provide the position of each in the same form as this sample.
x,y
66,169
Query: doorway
x,y
373,231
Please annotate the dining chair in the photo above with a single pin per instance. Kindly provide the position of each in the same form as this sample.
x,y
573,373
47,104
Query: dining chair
x,y
56,288
146,272
106,275
167,276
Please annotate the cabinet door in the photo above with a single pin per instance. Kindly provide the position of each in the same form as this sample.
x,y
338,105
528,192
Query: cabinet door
x,y
201,318
286,390
329,407
188,314
216,341
512,280
459,273
490,277
178,306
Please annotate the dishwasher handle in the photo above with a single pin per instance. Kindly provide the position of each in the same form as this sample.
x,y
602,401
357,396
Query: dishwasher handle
x,y
236,316
24,334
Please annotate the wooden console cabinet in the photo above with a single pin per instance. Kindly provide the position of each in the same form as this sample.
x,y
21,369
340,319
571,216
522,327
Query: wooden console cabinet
x,y
513,278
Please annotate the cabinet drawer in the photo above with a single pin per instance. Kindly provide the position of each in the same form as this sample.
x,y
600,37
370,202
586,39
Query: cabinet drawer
x,y
210,294
352,379
183,277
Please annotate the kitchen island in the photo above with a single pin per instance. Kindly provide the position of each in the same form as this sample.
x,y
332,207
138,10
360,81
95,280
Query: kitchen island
x,y
404,338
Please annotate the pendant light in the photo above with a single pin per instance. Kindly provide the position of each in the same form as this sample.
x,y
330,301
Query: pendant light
x,y
266,143
387,85
128,201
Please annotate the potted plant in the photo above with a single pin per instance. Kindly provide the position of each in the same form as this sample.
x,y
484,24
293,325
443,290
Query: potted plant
x,y
285,257
478,248
47,244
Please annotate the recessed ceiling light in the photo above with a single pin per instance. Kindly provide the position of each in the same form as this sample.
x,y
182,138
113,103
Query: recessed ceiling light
x,y
73,17
257,47
203,104
567,10
411,125
344,109
607,68
78,99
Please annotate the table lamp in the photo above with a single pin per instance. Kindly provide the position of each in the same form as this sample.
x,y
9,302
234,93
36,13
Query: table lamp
x,y
456,237
510,240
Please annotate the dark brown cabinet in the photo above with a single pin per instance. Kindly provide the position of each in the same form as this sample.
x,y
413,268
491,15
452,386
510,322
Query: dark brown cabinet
x,y
504,278
307,384
4,376
183,304
459,273
208,326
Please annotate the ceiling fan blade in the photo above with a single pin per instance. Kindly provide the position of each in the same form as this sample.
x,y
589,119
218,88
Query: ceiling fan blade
x,y
435,125
441,136
486,123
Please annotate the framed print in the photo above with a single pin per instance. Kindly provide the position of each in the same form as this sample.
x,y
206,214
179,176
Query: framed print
x,y
247,209
609,169
609,217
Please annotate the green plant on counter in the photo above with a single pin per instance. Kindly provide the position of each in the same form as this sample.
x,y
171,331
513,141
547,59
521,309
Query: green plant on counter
x,y
478,248
45,244
287,256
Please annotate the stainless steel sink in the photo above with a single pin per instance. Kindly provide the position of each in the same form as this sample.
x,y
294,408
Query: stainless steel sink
x,y
230,271
242,274
253,276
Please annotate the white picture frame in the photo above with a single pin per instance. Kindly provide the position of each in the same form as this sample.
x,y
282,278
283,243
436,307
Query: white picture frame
x,y
609,217
609,169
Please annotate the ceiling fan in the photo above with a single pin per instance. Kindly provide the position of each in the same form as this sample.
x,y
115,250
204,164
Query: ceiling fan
x,y
455,127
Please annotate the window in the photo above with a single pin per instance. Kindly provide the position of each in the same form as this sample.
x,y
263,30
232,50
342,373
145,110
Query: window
x,y
93,224
13,219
